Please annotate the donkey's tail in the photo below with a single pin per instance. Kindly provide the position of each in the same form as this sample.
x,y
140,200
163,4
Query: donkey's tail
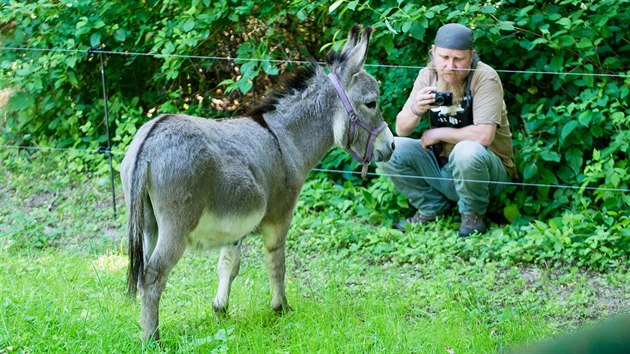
x,y
138,197
135,226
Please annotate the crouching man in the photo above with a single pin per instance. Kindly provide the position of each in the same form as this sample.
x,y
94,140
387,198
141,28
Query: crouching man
x,y
469,143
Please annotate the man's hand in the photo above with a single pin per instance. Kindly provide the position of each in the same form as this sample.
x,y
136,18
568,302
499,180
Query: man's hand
x,y
481,133
409,117
430,137
424,99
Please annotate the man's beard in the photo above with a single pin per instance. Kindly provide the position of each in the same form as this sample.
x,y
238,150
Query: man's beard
x,y
457,89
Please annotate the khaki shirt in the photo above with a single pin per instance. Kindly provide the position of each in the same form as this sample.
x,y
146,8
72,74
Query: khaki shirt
x,y
488,108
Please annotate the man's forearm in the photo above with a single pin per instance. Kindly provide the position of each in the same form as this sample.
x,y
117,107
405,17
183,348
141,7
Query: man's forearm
x,y
406,122
481,133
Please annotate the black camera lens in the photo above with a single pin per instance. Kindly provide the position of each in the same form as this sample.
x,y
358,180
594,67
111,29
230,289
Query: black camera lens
x,y
443,98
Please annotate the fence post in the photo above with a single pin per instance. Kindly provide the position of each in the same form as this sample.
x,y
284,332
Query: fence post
x,y
107,150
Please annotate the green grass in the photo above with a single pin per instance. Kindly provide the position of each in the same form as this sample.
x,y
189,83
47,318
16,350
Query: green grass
x,y
62,285
62,302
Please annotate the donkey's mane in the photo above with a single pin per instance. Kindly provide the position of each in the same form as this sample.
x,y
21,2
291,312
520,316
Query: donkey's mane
x,y
295,81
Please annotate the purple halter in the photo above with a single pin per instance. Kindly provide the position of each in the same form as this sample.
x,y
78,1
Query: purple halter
x,y
354,120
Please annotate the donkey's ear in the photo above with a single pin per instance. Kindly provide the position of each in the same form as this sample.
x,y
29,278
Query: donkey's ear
x,y
350,60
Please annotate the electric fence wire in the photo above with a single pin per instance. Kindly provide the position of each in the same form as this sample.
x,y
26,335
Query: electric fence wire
x,y
237,59
157,55
334,171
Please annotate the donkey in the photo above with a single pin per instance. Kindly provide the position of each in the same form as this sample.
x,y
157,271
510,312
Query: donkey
x,y
191,181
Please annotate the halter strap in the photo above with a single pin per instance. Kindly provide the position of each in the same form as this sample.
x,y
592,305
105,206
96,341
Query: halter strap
x,y
342,95
354,120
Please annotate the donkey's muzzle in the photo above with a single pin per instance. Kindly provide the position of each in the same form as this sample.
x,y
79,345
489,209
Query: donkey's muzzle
x,y
383,152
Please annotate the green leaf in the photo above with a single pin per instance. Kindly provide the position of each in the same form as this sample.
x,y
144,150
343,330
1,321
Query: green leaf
x,y
550,156
565,174
95,39
574,159
83,21
406,26
120,35
585,118
556,63
20,101
565,22
535,42
596,155
169,48
244,85
226,82
248,69
335,5
568,129
507,26
618,116
530,171
566,40
584,43
188,25
511,212
99,24
352,5
418,28
547,176
269,68
389,27
388,44
489,9
71,61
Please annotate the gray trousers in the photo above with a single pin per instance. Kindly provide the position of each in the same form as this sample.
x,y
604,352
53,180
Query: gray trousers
x,y
416,174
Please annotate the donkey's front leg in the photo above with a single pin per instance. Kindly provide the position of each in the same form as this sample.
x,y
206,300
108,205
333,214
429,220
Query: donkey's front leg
x,y
274,243
227,269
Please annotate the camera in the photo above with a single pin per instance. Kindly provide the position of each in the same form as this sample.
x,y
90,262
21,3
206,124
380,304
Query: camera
x,y
443,98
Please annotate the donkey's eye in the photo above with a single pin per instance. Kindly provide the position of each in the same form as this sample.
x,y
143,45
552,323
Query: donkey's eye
x,y
371,104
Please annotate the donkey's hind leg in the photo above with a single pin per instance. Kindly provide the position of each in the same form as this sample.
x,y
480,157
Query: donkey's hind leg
x,y
274,238
168,250
227,269
150,231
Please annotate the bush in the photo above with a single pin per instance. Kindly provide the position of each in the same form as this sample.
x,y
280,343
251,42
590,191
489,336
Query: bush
x,y
569,129
586,239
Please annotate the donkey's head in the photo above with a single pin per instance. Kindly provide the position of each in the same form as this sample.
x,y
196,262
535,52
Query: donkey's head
x,y
364,134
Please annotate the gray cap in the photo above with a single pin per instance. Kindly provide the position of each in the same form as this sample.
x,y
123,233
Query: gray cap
x,y
455,36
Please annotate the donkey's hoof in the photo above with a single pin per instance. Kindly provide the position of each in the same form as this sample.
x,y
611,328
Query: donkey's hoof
x,y
152,336
282,309
220,313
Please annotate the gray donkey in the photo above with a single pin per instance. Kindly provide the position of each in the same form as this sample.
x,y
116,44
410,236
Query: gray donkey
x,y
191,181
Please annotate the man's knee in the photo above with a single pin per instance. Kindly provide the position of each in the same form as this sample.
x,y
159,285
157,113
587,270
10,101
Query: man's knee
x,y
404,154
467,154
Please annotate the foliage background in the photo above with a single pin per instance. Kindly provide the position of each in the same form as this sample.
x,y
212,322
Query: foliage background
x,y
568,128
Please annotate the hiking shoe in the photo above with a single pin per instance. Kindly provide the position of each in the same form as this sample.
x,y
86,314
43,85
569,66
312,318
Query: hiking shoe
x,y
417,219
472,223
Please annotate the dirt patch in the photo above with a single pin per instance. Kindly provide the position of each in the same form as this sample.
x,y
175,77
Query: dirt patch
x,y
4,96
4,100
604,297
